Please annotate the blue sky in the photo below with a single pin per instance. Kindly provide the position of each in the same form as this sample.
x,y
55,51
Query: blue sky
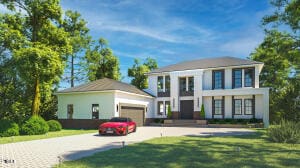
x,y
174,30
171,31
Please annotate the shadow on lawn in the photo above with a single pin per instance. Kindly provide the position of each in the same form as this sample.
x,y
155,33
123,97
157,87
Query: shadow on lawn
x,y
189,152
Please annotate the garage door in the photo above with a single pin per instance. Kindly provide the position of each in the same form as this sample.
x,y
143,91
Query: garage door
x,y
135,112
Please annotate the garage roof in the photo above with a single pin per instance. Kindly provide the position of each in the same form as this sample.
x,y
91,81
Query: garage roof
x,y
105,84
206,63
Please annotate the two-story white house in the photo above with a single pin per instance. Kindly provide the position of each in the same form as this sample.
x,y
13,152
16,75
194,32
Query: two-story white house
x,y
227,87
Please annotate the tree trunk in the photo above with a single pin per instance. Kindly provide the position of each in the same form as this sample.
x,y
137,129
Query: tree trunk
x,y
37,98
72,71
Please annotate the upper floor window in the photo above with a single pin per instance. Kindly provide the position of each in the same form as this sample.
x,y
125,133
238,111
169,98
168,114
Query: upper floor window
x,y
182,83
218,79
249,77
95,111
191,83
160,83
70,111
167,81
237,78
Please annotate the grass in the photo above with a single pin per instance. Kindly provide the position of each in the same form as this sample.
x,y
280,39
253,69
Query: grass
x,y
64,132
186,152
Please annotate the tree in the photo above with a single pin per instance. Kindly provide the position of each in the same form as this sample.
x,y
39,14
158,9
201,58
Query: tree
x,y
79,39
138,72
101,62
281,55
40,61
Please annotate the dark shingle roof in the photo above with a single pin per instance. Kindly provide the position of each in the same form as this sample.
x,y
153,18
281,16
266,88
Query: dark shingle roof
x,y
206,63
105,84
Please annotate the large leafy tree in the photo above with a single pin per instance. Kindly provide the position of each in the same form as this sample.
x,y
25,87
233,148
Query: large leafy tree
x,y
79,39
39,62
138,72
101,62
281,55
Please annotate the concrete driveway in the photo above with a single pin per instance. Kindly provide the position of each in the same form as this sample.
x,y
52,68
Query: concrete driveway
x,y
48,152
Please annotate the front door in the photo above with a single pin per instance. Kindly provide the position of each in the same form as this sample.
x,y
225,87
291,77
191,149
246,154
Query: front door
x,y
186,109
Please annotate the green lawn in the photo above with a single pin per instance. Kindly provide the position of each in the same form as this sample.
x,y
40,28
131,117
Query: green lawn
x,y
64,132
186,152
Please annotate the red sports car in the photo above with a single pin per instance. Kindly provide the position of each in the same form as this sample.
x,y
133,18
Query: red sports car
x,y
118,126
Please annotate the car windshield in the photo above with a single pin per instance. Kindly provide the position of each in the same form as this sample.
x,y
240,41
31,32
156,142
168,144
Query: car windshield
x,y
119,120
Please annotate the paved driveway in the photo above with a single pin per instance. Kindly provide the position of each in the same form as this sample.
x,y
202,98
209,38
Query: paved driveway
x,y
47,152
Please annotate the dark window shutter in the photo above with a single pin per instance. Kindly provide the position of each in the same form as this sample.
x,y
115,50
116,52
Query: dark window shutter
x,y
213,107
223,106
213,80
233,76
233,107
253,77
253,106
223,79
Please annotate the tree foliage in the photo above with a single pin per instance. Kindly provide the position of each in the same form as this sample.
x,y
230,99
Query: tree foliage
x,y
101,62
281,55
79,39
138,71
34,43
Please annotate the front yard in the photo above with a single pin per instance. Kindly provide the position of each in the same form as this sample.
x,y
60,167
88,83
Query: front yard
x,y
185,152
64,132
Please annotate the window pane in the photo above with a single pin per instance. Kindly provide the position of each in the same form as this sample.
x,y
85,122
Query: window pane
x,y
248,106
167,79
160,83
238,106
70,111
182,82
161,107
218,77
218,106
191,83
237,78
248,77
167,104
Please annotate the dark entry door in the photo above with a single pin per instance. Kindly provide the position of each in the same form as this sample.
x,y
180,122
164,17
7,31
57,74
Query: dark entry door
x,y
186,109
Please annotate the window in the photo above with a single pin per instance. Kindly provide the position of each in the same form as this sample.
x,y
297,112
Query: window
x,y
237,105
218,79
218,107
95,111
248,106
249,77
237,78
167,81
160,83
182,83
167,105
191,83
160,106
70,111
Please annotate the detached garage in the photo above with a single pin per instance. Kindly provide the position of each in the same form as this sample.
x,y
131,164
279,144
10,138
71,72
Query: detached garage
x,y
88,105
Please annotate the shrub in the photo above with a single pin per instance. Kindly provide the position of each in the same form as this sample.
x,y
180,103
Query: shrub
x,y
169,114
202,112
35,126
54,125
8,128
158,120
285,132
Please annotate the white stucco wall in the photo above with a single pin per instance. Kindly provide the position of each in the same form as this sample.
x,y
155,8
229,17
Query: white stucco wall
x,y
121,97
82,105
